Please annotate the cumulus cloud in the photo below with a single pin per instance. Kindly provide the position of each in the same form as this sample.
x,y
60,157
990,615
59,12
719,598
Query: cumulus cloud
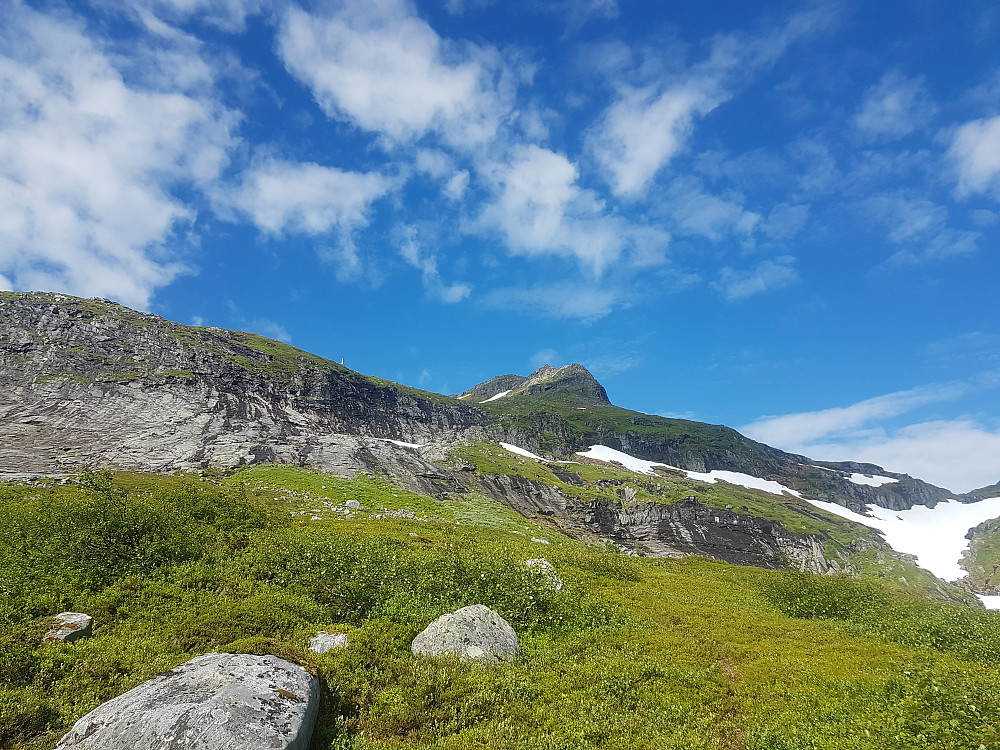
x,y
769,275
975,150
643,129
894,107
380,66
541,210
282,196
88,164
5,285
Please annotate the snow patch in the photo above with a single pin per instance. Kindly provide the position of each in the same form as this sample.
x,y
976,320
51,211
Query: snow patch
x,y
494,398
871,481
743,480
400,443
520,451
936,536
604,453
464,395
990,602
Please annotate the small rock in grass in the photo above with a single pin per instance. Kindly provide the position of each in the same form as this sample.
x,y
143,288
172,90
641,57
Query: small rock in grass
x,y
474,633
547,571
353,504
540,541
326,640
211,702
70,626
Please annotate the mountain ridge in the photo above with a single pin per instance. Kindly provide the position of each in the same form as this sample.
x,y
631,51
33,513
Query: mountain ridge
x,y
92,384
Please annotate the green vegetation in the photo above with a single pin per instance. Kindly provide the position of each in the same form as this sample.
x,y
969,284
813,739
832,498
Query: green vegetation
x,y
982,558
634,653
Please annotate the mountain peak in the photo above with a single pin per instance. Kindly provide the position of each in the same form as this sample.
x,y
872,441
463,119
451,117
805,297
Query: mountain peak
x,y
574,379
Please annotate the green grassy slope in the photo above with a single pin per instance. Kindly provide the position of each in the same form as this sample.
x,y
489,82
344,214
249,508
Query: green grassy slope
x,y
634,653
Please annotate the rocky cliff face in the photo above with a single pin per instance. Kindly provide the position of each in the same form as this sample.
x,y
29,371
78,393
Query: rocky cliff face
x,y
88,382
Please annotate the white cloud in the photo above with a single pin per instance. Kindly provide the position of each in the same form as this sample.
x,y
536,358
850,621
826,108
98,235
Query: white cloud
x,y
644,129
88,163
794,431
541,210
767,276
377,64
960,455
648,124
5,285
281,196
906,218
228,15
415,255
894,107
561,300
455,188
976,150
948,243
714,217
921,225
545,357
785,221
269,328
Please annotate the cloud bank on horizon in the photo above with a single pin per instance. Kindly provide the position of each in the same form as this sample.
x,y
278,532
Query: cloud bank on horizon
x,y
697,172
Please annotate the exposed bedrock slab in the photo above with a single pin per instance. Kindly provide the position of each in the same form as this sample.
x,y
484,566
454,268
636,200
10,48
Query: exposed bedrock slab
x,y
472,633
212,702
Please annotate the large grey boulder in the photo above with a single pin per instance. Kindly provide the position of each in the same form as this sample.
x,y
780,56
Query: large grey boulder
x,y
70,626
212,702
471,633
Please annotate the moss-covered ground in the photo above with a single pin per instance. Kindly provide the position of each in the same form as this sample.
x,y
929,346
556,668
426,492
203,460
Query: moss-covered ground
x,y
633,653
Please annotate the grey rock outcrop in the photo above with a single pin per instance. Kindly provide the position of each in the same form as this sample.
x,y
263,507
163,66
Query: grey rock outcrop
x,y
69,627
690,528
91,383
326,640
212,702
474,633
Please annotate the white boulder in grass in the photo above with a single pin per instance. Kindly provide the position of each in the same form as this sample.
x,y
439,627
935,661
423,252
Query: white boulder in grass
x,y
325,640
212,702
474,633
70,626
547,571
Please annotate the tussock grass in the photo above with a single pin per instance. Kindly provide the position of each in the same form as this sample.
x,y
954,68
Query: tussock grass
x,y
634,653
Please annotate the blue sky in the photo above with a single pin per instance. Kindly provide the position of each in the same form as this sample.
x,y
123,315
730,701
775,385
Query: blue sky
x,y
780,216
